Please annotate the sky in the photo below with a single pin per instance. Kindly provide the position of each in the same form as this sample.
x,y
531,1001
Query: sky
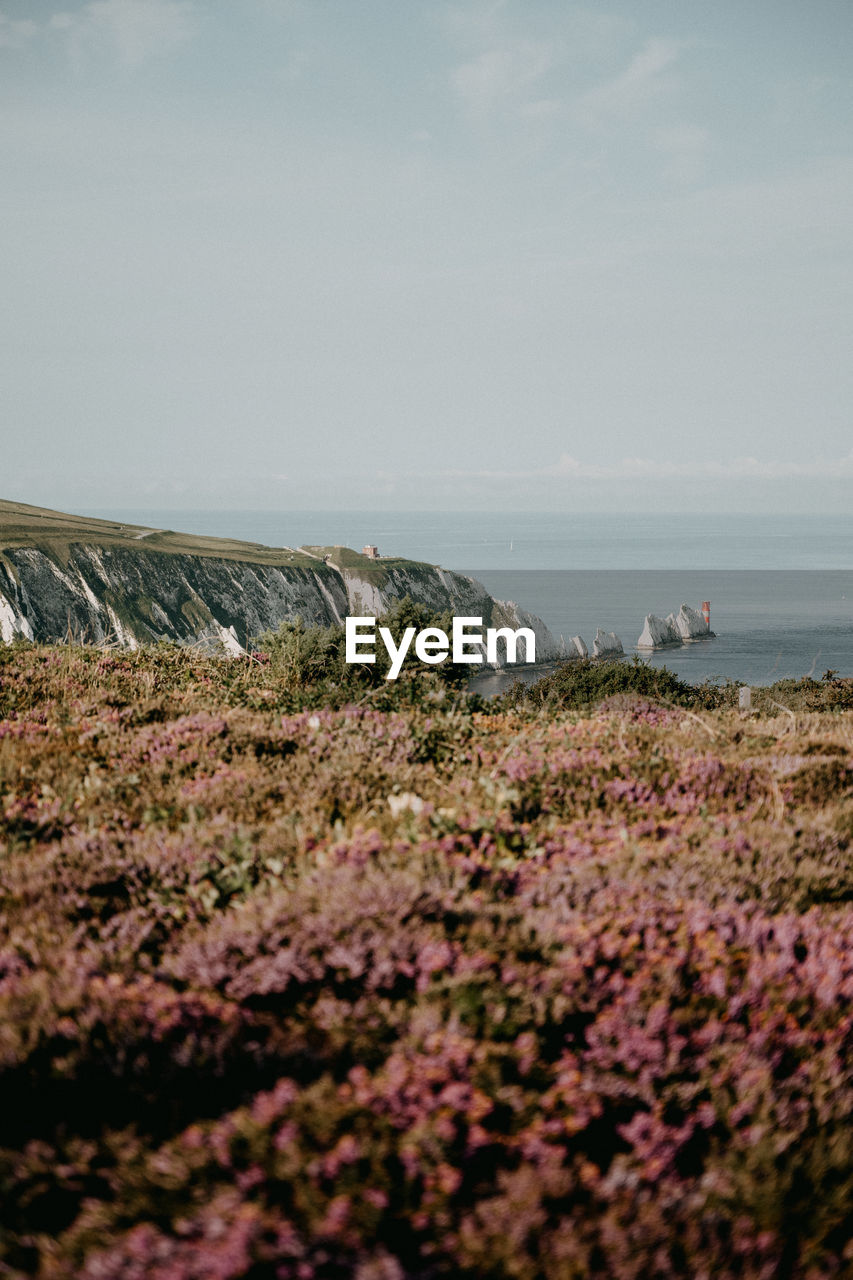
x,y
402,254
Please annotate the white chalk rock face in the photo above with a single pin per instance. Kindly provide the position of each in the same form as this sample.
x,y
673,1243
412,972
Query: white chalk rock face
x,y
506,613
657,633
134,596
577,648
606,644
690,623
12,623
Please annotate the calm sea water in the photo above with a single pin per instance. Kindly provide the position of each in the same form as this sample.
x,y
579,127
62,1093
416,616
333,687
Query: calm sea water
x,y
540,540
781,587
769,623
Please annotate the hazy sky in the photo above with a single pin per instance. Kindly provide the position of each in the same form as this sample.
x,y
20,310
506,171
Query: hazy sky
x,y
305,253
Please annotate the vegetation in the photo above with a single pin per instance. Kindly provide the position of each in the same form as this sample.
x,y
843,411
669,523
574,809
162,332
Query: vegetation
x,y
587,683
311,661
375,571
301,978
55,532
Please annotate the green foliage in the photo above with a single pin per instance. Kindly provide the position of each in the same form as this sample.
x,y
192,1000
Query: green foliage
x,y
586,683
55,532
311,661
303,654
580,685
830,693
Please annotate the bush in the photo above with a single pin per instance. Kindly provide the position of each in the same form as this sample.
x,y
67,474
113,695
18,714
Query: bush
x,y
586,683
311,660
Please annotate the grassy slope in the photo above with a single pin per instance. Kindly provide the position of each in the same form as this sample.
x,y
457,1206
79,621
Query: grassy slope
x,y
54,532
376,571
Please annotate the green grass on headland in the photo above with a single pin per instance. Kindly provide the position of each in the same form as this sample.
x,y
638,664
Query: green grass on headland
x,y
350,562
54,532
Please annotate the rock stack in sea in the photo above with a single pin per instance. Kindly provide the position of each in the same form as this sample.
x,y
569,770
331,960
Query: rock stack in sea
x,y
658,633
678,628
606,644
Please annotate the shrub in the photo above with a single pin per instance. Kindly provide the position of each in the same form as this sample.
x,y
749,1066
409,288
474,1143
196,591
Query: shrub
x,y
588,682
311,661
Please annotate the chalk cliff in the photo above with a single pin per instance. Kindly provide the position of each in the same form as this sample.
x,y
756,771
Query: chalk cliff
x,y
136,595
99,582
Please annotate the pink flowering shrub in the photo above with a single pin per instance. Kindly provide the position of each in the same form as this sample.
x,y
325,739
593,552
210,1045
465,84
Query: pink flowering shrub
x,y
417,992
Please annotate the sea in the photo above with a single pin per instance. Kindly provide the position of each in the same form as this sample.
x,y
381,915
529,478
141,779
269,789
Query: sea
x,y
780,586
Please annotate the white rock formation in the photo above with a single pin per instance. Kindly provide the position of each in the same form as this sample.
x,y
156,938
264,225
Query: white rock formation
x,y
689,623
119,633
606,644
577,648
133,595
506,613
231,644
658,633
12,623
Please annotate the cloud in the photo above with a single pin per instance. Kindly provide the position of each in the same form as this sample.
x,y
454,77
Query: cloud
x,y
735,469
681,139
541,109
15,34
568,467
475,21
642,81
131,30
499,74
685,147
140,29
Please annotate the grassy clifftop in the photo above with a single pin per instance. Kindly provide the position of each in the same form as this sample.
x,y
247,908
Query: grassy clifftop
x,y
349,562
54,532
94,578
